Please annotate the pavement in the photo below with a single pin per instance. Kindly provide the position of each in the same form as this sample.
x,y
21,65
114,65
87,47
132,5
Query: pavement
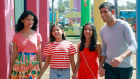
x,y
75,41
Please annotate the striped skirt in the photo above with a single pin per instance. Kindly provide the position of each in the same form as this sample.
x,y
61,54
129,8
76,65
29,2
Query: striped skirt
x,y
26,66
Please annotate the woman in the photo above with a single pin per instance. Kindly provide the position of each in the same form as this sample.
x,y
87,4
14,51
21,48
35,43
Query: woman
x,y
26,59
89,51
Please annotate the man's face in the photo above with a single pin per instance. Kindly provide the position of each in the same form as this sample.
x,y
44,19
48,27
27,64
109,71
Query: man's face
x,y
106,14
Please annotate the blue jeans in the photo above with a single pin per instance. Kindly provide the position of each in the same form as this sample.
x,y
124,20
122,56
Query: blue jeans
x,y
117,72
59,73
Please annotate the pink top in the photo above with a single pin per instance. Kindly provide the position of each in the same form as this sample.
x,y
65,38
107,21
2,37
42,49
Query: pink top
x,y
27,45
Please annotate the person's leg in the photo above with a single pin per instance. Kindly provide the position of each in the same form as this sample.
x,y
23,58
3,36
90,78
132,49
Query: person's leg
x,y
64,74
110,72
126,73
53,73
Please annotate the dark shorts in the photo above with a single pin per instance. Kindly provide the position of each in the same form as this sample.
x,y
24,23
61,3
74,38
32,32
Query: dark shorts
x,y
117,72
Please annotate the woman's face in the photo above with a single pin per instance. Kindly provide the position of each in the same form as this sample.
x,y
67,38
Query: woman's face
x,y
28,21
88,31
57,32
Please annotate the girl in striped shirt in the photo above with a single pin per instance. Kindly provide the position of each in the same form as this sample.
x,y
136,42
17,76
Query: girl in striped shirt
x,y
60,53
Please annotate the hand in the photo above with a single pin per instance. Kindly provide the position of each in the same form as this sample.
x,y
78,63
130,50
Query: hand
x,y
9,76
10,72
101,71
116,61
74,76
39,77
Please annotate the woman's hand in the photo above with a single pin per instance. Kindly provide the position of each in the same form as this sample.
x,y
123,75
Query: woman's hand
x,y
101,71
74,76
10,73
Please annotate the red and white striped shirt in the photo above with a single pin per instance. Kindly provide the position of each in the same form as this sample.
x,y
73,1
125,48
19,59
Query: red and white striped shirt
x,y
59,52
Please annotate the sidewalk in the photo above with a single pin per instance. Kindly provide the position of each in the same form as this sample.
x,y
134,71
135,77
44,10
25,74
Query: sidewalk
x,y
75,41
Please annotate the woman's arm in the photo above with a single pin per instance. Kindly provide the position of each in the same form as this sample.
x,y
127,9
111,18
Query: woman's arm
x,y
99,50
39,55
72,62
14,55
78,62
47,62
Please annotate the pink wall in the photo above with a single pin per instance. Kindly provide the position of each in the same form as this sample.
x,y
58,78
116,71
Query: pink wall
x,y
6,35
44,23
3,66
32,6
10,31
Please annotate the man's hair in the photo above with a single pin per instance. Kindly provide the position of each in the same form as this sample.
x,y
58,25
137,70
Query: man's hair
x,y
107,4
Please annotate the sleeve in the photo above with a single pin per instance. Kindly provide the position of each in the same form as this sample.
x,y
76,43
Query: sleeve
x,y
130,38
72,49
47,50
14,38
103,53
39,38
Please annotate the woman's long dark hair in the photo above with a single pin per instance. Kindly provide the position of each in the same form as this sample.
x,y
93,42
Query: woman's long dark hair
x,y
92,46
52,38
19,26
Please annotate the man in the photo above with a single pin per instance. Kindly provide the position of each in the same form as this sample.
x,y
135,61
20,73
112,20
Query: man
x,y
118,43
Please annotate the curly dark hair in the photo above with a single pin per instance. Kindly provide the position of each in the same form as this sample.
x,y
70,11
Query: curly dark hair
x,y
107,4
52,38
19,26
92,46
